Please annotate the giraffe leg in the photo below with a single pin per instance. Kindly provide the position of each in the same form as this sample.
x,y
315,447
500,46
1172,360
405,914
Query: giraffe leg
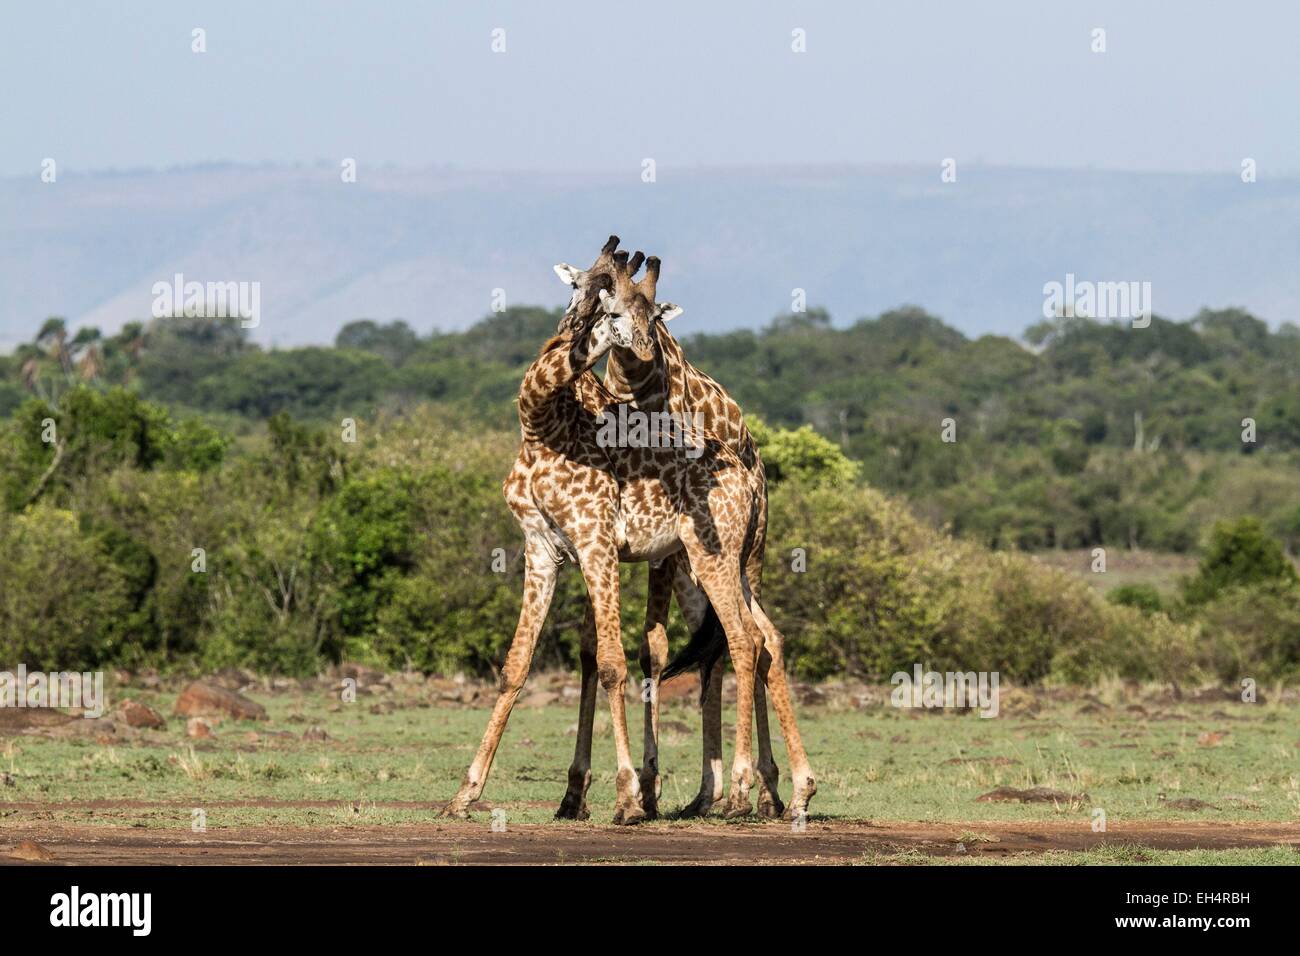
x,y
574,804
711,771
719,575
654,655
539,586
694,605
600,568
772,665
769,774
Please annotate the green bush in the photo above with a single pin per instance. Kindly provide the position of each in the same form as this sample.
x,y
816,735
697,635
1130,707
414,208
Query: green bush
x,y
1254,632
314,550
1240,553
801,455
1144,597
63,602
363,538
44,450
882,593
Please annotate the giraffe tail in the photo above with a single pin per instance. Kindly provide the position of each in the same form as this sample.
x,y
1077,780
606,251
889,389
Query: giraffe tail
x,y
704,648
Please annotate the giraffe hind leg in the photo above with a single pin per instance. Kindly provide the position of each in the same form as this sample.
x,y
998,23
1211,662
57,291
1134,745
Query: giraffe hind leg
x,y
705,650
772,667
719,575
654,654
769,774
574,804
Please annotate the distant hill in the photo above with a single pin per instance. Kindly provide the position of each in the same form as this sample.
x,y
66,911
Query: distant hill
x,y
430,246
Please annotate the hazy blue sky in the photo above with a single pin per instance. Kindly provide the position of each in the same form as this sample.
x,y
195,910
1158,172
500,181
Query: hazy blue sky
x,y
1182,86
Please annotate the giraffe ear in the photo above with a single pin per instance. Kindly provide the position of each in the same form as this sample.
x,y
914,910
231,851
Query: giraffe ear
x,y
606,300
667,310
568,274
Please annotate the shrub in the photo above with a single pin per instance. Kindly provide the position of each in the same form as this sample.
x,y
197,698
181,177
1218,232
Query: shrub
x,y
1144,597
1254,631
63,603
882,593
801,455
383,551
1240,553
92,434
363,538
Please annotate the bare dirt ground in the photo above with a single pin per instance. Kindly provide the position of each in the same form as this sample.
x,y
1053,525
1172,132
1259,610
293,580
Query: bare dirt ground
x,y
703,843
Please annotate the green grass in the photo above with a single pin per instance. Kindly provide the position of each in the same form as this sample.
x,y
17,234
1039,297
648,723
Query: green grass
x,y
878,763
1113,855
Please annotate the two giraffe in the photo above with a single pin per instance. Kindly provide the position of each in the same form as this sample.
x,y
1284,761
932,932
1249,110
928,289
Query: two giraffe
x,y
699,521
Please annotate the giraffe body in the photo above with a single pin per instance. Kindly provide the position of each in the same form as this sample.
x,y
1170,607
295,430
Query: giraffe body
x,y
575,500
656,379
699,520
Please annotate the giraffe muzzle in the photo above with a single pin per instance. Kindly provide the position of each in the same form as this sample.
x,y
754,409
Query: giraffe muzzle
x,y
621,329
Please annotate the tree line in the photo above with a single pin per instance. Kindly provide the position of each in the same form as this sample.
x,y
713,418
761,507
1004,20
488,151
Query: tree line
x,y
175,496
1085,434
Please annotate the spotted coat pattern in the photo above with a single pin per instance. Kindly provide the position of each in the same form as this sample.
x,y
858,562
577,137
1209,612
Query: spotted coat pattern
x,y
575,500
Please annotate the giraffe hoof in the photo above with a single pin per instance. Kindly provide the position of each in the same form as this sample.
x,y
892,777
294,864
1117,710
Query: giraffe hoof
x,y
699,807
770,807
650,796
572,810
738,812
629,816
799,800
795,810
454,811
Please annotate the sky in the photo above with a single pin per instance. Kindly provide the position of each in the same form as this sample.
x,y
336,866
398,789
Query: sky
x,y
1181,87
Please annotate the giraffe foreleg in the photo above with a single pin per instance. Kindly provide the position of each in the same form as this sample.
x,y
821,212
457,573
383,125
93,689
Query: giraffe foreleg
x,y
539,586
711,784
600,569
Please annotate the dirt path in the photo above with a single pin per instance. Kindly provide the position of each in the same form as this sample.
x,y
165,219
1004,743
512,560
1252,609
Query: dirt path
x,y
704,843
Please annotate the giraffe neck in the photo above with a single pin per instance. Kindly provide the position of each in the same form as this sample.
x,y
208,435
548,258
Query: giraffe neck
x,y
691,393
563,360
635,382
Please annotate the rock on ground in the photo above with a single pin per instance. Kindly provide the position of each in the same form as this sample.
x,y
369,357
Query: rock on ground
x,y
136,714
200,699
27,850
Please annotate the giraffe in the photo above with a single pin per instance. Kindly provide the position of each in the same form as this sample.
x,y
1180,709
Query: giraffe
x,y
669,382
575,500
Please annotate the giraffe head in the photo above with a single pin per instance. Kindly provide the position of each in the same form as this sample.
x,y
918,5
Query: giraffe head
x,y
633,303
607,332
584,304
